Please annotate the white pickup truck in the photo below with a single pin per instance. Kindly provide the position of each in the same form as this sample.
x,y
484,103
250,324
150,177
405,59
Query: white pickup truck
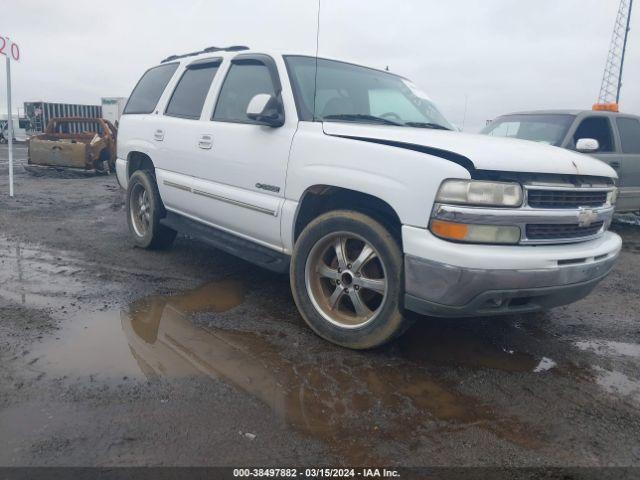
x,y
350,179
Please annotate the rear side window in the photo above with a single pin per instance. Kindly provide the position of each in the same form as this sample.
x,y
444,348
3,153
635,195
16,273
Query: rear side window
x,y
629,129
188,97
243,82
145,96
598,128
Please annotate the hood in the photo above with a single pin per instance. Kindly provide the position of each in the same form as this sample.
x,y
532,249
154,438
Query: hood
x,y
481,152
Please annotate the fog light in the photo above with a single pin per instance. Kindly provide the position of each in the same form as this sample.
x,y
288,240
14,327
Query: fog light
x,y
463,232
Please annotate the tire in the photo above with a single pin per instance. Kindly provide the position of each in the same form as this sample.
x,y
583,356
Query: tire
x,y
327,300
102,163
144,223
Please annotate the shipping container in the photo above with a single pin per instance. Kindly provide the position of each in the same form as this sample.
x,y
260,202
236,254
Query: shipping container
x,y
39,113
112,108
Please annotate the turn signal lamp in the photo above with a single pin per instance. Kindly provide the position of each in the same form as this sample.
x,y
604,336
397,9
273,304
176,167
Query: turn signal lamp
x,y
463,232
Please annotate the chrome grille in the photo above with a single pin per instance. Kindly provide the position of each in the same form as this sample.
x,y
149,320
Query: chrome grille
x,y
561,231
566,198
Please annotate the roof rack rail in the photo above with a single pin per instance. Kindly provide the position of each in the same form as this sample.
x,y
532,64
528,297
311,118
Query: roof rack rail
x,y
177,57
232,48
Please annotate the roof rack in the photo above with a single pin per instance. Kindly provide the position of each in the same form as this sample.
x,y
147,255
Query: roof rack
x,y
232,48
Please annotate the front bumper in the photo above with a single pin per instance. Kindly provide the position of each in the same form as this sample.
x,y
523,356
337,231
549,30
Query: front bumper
x,y
502,280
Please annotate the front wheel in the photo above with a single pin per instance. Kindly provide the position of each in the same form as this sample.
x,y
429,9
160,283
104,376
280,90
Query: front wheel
x,y
144,208
346,278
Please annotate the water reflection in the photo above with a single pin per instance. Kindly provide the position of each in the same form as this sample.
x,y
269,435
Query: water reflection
x,y
335,400
469,344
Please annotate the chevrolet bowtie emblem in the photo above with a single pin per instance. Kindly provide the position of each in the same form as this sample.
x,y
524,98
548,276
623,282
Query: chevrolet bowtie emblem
x,y
586,217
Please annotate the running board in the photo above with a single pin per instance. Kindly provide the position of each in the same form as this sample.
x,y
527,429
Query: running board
x,y
228,242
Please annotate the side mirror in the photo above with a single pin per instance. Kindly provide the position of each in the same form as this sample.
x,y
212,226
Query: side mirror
x,y
587,145
266,109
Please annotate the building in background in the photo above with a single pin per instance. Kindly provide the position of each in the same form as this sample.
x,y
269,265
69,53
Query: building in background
x,y
39,113
21,126
112,108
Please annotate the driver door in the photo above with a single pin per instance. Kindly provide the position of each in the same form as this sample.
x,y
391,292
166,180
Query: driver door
x,y
240,180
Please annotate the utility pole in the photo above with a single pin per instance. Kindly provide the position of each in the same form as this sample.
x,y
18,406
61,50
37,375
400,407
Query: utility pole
x,y
12,53
10,126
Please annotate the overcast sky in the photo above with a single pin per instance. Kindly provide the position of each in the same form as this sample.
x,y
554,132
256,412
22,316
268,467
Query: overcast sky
x,y
504,55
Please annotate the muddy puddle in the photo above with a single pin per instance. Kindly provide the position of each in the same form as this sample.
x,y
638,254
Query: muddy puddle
x,y
349,400
36,277
445,343
333,400
615,382
609,348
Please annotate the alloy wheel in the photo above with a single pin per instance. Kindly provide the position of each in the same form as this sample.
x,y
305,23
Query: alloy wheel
x,y
346,279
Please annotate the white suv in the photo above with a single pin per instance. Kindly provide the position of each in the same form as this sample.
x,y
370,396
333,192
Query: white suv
x,y
350,179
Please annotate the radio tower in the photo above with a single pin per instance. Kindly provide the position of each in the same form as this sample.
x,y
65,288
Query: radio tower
x,y
612,79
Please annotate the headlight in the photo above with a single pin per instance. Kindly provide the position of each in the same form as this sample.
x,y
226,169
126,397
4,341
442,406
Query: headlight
x,y
474,192
612,197
463,232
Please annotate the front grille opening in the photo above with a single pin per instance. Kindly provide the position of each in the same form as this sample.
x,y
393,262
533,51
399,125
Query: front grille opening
x,y
519,301
493,303
499,303
565,198
571,261
561,231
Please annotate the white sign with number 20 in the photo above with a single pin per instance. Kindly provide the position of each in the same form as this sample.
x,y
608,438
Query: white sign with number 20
x,y
9,49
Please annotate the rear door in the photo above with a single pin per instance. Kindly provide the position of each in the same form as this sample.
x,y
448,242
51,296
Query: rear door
x,y
179,134
140,128
629,134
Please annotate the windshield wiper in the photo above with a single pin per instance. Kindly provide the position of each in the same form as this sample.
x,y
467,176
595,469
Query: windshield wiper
x,y
358,117
435,126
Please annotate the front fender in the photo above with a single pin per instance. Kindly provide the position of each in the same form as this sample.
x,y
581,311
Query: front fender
x,y
407,180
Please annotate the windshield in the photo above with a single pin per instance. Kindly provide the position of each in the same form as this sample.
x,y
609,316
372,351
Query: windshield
x,y
351,93
549,129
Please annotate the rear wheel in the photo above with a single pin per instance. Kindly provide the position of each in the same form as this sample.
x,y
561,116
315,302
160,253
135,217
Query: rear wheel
x,y
144,208
346,277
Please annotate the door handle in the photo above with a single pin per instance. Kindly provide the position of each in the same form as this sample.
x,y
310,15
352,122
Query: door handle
x,y
158,135
205,142
615,164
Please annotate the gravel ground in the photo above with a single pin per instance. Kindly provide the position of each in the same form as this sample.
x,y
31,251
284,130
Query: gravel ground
x,y
112,355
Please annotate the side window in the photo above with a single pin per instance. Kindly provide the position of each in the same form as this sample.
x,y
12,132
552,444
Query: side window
x,y
189,95
147,92
598,128
243,82
629,129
